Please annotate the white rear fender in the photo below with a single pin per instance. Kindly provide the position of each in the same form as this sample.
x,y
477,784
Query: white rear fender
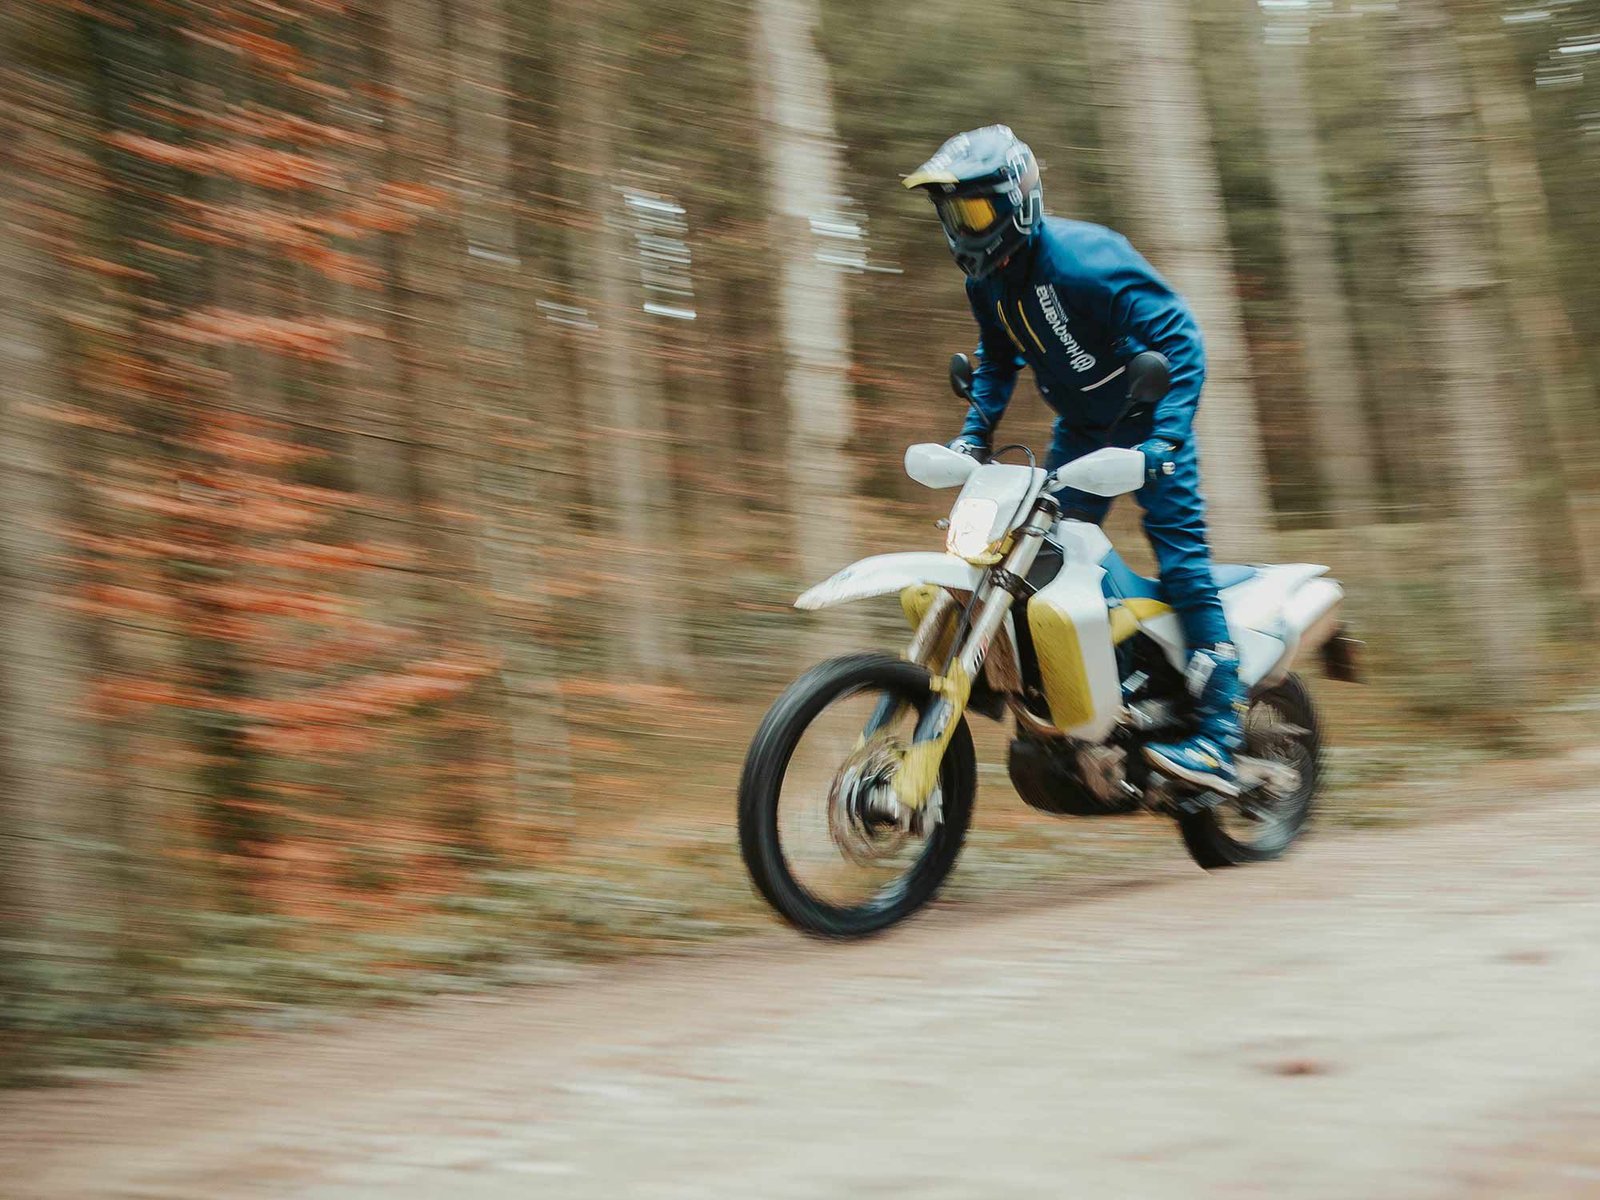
x,y
885,573
1285,612
1310,618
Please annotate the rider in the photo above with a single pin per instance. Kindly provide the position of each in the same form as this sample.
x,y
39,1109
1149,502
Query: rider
x,y
1075,302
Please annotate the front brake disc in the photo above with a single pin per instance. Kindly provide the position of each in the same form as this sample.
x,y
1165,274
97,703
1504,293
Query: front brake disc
x,y
865,819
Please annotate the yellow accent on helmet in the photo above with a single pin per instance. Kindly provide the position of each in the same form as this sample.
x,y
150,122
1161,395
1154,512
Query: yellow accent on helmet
x,y
922,177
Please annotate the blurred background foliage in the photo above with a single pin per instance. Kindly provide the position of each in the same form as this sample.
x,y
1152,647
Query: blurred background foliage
x,y
419,414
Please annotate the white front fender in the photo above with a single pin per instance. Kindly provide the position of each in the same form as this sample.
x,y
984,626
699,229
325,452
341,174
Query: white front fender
x,y
885,573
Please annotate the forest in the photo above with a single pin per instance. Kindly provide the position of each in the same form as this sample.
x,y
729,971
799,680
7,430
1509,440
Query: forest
x,y
418,417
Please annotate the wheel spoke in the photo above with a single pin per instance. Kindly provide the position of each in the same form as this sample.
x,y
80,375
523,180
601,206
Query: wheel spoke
x,y
845,838
1269,815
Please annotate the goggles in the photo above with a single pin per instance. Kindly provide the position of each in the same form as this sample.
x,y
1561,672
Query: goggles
x,y
967,214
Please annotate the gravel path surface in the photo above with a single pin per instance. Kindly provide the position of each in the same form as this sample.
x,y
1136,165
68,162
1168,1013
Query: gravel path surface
x,y
1397,1014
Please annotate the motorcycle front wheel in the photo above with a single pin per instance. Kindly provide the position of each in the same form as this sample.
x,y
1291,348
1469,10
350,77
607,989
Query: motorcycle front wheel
x,y
817,827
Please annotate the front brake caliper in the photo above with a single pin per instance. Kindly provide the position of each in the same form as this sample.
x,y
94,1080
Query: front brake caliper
x,y
919,771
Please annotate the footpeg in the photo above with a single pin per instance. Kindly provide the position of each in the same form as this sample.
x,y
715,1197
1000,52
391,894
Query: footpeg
x,y
1164,794
1188,800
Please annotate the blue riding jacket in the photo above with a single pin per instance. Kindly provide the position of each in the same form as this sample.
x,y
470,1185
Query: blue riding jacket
x,y
1076,306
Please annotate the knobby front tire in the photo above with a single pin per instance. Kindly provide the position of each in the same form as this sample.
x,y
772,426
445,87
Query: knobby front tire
x,y
761,788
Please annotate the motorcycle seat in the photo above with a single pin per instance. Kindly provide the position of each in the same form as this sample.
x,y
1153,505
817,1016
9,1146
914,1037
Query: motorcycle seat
x,y
1122,582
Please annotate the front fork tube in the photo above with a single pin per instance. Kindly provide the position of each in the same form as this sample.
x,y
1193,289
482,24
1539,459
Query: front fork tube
x,y
923,643
926,639
919,771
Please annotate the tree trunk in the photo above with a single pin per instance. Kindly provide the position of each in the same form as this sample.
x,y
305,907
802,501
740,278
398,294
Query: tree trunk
x,y
1543,328
622,397
425,295
508,494
804,171
140,62
547,341
54,884
712,419
1322,309
1170,179
1456,286
438,412
350,54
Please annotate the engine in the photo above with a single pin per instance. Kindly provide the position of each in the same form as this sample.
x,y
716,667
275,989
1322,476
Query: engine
x,y
1071,778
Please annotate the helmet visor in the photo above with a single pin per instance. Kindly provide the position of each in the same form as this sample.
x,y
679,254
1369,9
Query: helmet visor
x,y
967,214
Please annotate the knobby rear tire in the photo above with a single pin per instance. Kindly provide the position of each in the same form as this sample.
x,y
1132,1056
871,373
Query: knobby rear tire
x,y
1210,844
761,784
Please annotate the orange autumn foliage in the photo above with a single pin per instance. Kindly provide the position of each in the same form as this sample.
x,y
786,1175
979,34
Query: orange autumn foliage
x,y
318,339
258,166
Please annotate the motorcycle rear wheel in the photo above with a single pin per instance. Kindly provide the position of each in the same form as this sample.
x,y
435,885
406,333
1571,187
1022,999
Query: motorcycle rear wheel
x,y
769,860
1213,835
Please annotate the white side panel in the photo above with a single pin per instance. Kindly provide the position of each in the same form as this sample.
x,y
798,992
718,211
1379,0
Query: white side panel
x,y
1081,541
885,573
1077,594
1309,604
1258,654
1308,619
1259,603
1167,631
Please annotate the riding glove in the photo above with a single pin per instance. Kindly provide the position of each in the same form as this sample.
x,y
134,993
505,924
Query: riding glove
x,y
1159,458
973,445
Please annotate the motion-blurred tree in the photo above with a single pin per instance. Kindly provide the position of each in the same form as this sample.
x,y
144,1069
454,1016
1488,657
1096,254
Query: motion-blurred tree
x,y
806,200
1456,284
1344,444
622,397
1547,343
1159,121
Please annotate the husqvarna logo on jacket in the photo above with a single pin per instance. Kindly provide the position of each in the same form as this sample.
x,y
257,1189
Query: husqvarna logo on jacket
x,y
1050,305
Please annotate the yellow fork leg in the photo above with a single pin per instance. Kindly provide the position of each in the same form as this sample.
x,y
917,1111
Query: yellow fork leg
x,y
919,771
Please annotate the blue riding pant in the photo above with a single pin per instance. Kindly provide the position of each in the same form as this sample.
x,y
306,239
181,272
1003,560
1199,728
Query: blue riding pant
x,y
1174,521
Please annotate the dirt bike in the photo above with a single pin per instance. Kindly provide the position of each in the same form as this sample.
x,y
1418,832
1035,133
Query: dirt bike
x,y
858,787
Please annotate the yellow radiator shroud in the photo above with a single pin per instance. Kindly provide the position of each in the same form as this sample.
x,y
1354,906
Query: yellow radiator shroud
x,y
1073,640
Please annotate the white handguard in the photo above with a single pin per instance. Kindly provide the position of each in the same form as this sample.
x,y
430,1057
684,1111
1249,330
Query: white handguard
x,y
936,466
1112,471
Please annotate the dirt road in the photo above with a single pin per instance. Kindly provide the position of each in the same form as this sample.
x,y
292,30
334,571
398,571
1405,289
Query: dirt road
x,y
1401,1014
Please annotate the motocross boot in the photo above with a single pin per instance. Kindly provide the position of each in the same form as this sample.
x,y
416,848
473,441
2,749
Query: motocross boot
x,y
1205,759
